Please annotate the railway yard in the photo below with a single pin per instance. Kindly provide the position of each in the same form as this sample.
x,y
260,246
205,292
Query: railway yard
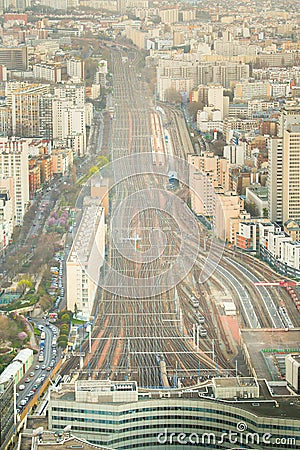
x,y
160,316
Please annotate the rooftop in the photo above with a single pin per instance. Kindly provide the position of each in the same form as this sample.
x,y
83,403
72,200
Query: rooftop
x,y
259,191
23,355
39,439
235,382
85,237
264,405
10,371
105,386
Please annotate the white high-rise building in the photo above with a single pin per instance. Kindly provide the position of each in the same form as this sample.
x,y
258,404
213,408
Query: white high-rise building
x,y
283,173
14,164
291,173
169,15
23,100
69,124
290,115
215,97
75,68
58,117
48,72
74,129
71,91
6,213
275,179
85,260
235,154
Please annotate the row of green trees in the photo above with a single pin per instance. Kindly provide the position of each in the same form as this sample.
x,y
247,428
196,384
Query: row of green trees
x,y
64,324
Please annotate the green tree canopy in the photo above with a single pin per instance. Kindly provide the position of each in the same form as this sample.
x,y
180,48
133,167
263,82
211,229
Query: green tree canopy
x,y
25,283
93,170
102,161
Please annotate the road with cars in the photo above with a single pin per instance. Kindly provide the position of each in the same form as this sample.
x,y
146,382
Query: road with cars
x,y
40,370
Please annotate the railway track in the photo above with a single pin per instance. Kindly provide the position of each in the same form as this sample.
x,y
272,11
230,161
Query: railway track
x,y
134,333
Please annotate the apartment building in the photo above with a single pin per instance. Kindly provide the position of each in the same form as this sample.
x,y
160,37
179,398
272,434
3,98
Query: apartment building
x,y
85,260
238,110
228,73
291,173
246,237
206,173
17,5
61,4
202,73
75,92
73,121
6,217
102,71
279,248
3,73
229,48
248,90
62,120
209,162
280,89
258,105
62,160
291,254
283,173
290,115
34,177
210,119
202,192
276,241
235,154
46,116
280,59
227,206
14,164
175,74
14,58
23,102
215,98
292,363
235,124
258,196
75,68
169,15
47,72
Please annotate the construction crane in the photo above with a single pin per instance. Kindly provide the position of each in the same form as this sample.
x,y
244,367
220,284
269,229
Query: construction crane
x,y
281,283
